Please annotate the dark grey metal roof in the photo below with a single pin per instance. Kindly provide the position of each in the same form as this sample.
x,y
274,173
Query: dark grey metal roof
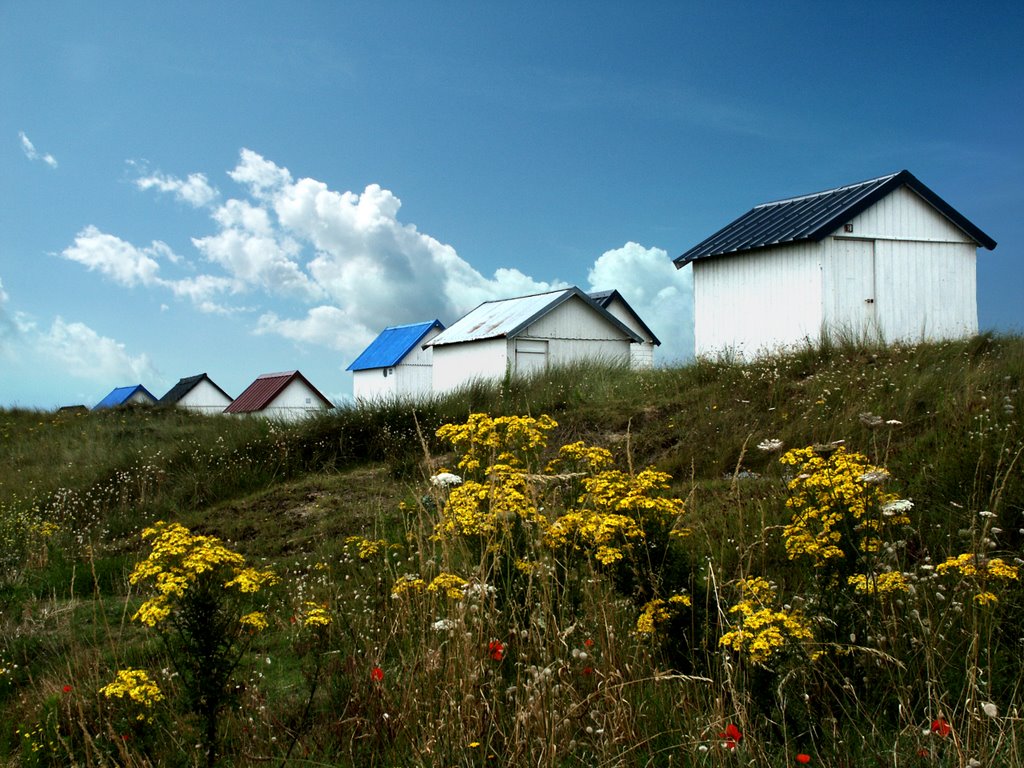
x,y
186,385
813,217
605,298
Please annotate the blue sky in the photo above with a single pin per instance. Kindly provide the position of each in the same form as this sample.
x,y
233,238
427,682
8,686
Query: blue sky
x,y
242,188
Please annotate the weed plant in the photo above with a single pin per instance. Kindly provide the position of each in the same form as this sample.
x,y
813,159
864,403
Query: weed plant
x,y
810,558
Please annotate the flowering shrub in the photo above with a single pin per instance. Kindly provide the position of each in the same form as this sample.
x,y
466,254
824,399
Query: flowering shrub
x,y
763,630
200,608
136,686
837,507
981,574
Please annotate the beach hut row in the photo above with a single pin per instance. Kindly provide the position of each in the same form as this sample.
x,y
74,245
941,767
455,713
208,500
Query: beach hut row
x,y
286,396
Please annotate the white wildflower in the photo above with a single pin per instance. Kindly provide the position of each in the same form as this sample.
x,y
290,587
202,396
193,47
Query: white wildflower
x,y
896,507
770,445
443,625
986,513
874,477
894,423
445,480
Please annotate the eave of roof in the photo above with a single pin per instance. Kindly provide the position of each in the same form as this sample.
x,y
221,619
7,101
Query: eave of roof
x,y
813,217
265,388
393,344
507,318
605,298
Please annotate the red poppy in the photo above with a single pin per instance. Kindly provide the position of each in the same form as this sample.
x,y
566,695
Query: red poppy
x,y
588,643
802,758
68,689
588,671
496,649
377,674
731,736
940,727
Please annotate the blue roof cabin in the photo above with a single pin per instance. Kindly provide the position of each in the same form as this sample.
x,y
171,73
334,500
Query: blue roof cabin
x,y
884,259
395,366
136,395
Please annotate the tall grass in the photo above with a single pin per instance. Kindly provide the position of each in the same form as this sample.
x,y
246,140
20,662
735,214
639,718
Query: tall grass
x,y
542,664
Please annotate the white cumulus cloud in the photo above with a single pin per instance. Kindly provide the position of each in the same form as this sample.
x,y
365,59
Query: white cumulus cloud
x,y
116,258
332,268
661,294
84,353
194,190
30,151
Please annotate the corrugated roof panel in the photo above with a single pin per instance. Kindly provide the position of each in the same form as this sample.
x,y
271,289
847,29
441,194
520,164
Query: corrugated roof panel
x,y
262,392
121,395
812,217
508,317
392,345
186,385
494,319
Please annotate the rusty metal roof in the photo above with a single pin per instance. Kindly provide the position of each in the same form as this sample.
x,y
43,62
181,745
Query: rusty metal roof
x,y
510,317
262,392
814,217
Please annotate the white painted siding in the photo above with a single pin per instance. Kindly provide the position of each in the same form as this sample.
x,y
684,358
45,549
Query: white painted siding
x,y
138,397
373,384
926,291
641,356
296,401
411,379
204,398
750,303
458,364
903,215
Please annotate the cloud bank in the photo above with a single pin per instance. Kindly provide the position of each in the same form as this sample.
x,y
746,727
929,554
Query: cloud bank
x,y
330,269
71,348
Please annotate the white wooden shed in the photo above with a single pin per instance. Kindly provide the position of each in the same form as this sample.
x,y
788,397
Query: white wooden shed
x,y
641,356
197,393
527,335
284,396
883,259
396,365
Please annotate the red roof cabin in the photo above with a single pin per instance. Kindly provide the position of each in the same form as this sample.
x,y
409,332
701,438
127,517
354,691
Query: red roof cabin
x,y
286,396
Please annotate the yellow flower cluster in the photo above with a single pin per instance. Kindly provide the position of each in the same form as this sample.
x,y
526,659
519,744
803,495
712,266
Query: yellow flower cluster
x,y
658,611
451,584
314,615
580,456
485,441
613,513
764,632
134,685
407,583
367,548
880,584
830,499
178,559
981,571
478,509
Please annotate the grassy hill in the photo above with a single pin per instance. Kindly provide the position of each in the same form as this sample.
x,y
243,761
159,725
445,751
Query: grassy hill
x,y
682,585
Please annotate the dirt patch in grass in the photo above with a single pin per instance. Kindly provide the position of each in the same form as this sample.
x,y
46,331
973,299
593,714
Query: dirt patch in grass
x,y
306,514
